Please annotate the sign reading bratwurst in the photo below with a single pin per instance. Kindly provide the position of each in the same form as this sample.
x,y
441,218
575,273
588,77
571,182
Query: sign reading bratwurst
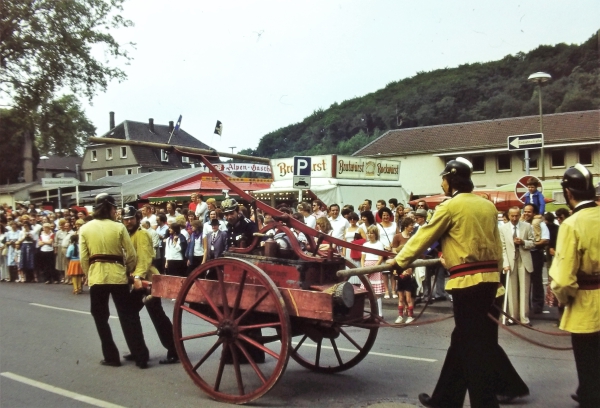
x,y
367,168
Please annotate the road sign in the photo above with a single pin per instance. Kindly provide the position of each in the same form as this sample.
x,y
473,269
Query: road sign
x,y
522,142
302,166
302,182
521,187
302,169
59,182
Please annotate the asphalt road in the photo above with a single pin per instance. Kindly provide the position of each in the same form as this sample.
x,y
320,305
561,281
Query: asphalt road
x,y
50,353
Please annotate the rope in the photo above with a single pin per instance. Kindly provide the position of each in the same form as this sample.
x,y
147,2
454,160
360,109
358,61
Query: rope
x,y
537,343
382,323
560,334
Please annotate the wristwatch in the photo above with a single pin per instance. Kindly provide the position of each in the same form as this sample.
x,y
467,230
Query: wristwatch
x,y
137,277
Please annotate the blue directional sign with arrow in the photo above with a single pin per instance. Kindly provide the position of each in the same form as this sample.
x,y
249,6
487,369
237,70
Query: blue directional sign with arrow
x,y
522,142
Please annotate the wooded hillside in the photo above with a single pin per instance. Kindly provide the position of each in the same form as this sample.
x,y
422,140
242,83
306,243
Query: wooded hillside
x,y
470,92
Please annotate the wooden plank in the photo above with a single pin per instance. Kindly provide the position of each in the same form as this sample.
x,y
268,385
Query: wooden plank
x,y
299,303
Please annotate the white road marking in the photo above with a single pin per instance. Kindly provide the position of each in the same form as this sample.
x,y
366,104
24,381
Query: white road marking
x,y
374,353
66,310
60,391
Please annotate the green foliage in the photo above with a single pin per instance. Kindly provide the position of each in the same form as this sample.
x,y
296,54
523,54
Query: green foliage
x,y
47,46
64,129
470,92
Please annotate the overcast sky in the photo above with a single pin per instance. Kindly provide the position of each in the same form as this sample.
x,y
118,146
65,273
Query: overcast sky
x,y
258,66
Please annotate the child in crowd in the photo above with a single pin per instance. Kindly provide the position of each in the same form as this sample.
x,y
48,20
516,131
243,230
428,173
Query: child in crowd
x,y
405,287
74,271
368,259
17,261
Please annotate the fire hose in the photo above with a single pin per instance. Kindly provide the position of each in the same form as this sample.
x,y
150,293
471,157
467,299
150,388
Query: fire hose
x,y
430,262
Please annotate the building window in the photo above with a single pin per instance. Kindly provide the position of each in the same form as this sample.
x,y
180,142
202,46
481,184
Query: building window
x,y
109,155
123,152
478,163
129,171
185,159
504,162
88,176
164,156
557,158
585,157
94,155
533,164
109,173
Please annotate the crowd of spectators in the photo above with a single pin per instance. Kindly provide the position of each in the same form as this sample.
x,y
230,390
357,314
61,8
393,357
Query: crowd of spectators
x,y
36,243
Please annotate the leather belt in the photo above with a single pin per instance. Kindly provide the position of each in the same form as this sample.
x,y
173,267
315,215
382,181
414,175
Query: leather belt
x,y
473,268
107,259
588,282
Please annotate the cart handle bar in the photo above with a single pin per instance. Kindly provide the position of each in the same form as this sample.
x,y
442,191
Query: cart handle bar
x,y
346,273
182,149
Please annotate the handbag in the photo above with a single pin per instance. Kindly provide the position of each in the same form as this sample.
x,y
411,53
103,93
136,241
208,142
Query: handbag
x,y
355,254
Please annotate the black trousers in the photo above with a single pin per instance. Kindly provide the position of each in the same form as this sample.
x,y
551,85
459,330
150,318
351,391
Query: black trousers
x,y
508,381
195,262
47,265
537,284
177,267
586,348
128,317
472,355
162,324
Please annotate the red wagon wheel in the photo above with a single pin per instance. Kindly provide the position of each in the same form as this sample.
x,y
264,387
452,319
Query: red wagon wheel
x,y
222,326
319,348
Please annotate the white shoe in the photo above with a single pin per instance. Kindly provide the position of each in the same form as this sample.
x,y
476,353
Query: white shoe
x,y
409,319
399,320
395,296
386,297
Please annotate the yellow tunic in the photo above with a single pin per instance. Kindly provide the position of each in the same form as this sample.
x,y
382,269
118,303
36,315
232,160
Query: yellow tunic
x,y
142,242
578,251
468,228
106,237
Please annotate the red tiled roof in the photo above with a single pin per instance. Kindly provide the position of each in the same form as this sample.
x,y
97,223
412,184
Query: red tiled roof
x,y
558,128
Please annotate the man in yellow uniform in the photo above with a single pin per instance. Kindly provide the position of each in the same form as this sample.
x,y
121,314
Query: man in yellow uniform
x,y
142,242
575,273
107,257
467,226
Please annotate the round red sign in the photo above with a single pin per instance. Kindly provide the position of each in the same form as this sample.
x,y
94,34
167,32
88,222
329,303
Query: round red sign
x,y
521,187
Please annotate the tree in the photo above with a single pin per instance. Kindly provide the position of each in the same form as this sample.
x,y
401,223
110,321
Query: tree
x,y
12,144
63,127
50,45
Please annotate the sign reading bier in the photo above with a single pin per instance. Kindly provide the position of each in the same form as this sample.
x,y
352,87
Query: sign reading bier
x,y
367,168
342,167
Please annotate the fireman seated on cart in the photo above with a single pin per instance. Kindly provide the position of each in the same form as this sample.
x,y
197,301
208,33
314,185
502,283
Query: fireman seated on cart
x,y
240,232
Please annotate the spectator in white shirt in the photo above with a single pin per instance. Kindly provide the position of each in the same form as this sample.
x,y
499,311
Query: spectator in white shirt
x,y
148,216
309,219
201,207
338,223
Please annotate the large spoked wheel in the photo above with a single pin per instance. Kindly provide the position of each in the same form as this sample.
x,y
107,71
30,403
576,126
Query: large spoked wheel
x,y
232,330
338,347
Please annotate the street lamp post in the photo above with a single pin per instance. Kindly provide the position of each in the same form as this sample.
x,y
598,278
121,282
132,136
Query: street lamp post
x,y
539,78
232,147
44,158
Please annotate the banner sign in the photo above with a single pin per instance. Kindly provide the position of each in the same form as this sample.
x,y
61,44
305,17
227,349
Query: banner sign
x,y
231,167
346,167
367,168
